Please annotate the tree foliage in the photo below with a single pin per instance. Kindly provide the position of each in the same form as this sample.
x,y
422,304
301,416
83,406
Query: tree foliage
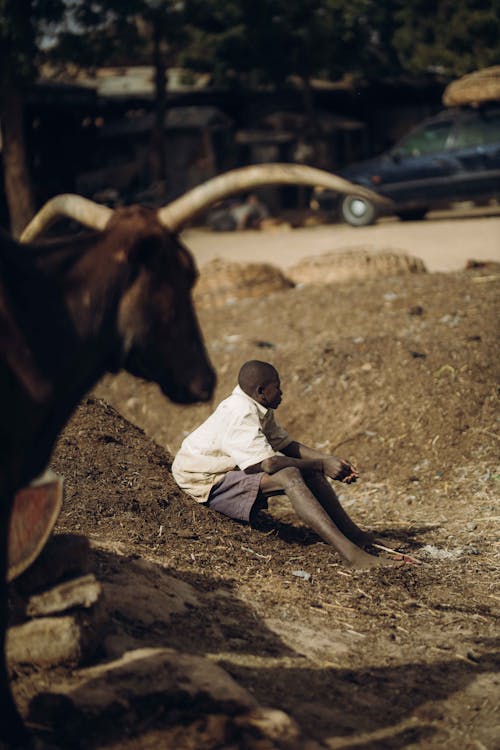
x,y
450,36
266,41
20,23
117,32
256,42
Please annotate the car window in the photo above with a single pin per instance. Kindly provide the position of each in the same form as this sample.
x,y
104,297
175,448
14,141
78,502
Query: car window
x,y
480,130
425,140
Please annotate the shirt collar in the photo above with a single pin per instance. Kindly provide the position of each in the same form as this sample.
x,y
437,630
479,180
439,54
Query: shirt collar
x,y
240,392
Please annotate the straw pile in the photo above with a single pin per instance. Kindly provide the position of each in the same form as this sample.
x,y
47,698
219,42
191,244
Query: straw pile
x,y
222,282
474,89
354,264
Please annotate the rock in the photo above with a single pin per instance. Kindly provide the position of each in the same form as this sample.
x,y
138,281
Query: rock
x,y
157,682
53,641
78,592
144,593
258,729
272,723
416,310
302,574
122,689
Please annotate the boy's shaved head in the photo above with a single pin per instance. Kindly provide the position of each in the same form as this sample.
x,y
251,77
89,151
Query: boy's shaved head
x,y
255,373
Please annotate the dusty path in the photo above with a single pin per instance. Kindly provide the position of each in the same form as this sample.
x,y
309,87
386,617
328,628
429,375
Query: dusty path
x,y
445,241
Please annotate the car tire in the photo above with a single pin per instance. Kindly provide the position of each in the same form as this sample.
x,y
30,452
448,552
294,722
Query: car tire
x,y
357,211
415,214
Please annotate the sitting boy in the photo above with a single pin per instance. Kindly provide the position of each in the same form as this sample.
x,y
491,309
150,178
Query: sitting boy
x,y
240,455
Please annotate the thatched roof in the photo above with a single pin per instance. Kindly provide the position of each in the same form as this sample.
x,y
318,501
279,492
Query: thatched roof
x,y
474,88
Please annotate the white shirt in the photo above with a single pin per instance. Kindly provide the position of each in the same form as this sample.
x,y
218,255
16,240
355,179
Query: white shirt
x,y
239,434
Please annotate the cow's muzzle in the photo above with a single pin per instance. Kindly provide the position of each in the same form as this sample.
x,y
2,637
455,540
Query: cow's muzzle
x,y
192,390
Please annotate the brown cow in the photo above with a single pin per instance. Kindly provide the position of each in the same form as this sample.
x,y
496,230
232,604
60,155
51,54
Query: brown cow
x,y
70,311
73,309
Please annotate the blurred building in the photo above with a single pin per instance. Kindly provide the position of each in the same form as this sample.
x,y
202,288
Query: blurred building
x,y
198,140
91,132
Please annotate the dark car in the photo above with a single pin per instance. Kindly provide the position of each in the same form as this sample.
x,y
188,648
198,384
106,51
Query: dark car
x,y
454,156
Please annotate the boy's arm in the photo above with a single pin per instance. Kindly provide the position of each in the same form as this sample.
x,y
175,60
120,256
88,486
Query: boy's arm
x,y
306,459
276,463
333,466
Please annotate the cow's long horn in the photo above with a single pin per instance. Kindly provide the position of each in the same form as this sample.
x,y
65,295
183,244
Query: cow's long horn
x,y
177,213
71,206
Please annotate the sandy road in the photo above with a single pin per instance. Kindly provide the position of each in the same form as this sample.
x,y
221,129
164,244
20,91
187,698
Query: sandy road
x,y
444,241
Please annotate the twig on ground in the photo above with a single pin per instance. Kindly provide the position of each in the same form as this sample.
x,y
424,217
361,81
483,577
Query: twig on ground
x,y
400,555
257,554
355,632
317,609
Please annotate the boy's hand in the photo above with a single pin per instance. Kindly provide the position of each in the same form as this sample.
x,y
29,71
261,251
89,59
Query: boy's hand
x,y
340,469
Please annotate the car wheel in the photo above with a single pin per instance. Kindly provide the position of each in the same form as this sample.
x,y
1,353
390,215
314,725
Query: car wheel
x,y
414,214
358,212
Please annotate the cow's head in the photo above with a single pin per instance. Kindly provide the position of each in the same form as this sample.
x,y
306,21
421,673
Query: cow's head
x,y
157,325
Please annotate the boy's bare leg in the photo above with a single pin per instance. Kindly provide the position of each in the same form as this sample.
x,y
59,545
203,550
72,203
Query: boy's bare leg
x,y
310,510
324,492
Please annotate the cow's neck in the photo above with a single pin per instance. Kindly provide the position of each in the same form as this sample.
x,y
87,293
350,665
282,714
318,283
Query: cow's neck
x,y
64,296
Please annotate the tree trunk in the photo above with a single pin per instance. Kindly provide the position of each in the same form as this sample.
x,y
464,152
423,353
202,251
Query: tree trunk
x,y
18,188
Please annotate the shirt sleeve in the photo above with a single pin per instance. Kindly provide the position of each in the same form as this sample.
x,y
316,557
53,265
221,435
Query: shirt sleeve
x,y
246,442
277,437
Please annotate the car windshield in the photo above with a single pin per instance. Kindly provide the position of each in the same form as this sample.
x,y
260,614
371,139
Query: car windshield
x,y
425,140
480,130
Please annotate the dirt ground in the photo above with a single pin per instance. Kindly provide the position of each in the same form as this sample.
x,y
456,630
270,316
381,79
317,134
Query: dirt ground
x,y
400,375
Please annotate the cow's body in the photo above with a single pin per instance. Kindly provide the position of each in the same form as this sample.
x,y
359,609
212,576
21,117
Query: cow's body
x,y
69,312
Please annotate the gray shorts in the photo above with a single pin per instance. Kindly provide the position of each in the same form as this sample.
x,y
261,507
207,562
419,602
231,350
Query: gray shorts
x,y
237,494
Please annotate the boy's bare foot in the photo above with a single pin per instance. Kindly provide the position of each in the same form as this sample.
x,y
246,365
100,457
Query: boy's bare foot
x,y
364,561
